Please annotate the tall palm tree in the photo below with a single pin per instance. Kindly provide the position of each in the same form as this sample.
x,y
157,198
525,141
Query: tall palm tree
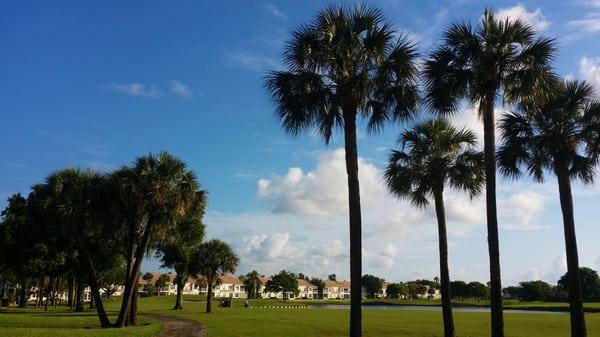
x,y
561,136
347,62
73,195
433,154
211,260
152,194
498,58
252,282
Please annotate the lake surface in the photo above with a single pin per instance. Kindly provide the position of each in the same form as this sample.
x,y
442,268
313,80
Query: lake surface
x,y
430,308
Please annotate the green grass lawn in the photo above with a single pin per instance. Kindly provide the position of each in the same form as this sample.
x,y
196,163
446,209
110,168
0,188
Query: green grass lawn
x,y
61,322
239,321
242,322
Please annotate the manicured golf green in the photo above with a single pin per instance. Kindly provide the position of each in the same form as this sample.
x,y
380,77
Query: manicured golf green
x,y
253,322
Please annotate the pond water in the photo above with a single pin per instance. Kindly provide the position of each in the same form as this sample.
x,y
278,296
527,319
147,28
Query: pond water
x,y
429,308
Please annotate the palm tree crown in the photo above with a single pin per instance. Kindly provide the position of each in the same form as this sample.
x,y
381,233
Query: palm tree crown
x,y
478,63
563,130
434,152
346,61
214,258
252,281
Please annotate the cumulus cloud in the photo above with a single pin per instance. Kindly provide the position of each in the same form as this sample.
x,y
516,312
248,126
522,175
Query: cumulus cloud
x,y
550,275
180,89
136,89
521,210
589,69
304,226
322,191
534,18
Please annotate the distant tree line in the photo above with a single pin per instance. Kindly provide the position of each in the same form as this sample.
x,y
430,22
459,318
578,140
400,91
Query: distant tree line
x,y
542,291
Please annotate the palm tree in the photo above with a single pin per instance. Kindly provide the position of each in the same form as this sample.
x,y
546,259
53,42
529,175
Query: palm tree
x,y
496,58
561,136
252,282
175,251
211,260
73,195
433,154
347,62
152,195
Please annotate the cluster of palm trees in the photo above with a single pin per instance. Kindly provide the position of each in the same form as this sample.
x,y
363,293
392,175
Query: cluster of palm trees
x,y
154,204
349,63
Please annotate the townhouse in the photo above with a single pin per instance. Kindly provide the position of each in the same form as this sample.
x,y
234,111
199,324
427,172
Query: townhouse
x,y
336,290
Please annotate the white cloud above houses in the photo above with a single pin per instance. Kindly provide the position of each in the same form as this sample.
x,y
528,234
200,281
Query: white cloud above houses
x,y
534,18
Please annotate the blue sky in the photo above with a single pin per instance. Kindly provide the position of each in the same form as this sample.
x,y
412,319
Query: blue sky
x,y
96,84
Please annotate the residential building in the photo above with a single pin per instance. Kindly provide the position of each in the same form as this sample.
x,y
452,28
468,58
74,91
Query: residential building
x,y
336,290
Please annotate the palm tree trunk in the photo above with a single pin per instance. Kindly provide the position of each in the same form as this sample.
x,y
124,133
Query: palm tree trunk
x,y
79,293
70,288
95,300
40,292
444,270
355,221
489,146
134,307
23,295
123,318
180,284
128,298
209,295
578,328
47,292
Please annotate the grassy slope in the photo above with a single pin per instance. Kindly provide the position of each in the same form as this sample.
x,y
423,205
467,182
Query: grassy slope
x,y
238,321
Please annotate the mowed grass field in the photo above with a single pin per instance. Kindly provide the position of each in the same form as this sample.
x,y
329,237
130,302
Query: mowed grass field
x,y
254,322
61,322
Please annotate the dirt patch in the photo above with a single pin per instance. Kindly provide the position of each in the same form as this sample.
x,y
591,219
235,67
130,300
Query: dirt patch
x,y
180,327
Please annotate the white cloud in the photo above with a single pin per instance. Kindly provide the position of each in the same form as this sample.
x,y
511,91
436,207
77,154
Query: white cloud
x,y
136,89
304,227
535,18
521,210
267,248
276,12
590,23
468,117
252,61
550,275
180,89
589,69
